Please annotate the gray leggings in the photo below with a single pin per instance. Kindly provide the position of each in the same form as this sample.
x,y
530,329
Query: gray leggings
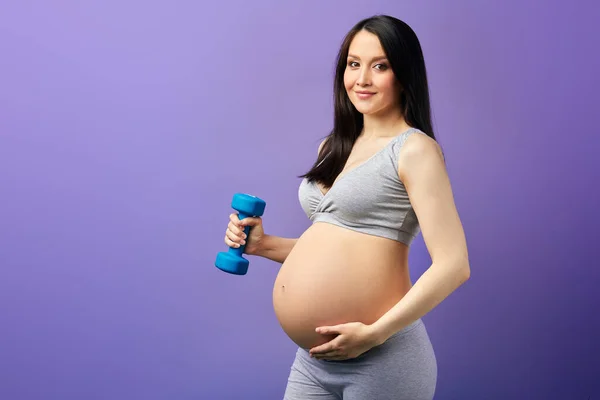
x,y
404,367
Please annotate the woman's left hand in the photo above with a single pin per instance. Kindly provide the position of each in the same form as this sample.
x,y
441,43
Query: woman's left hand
x,y
352,340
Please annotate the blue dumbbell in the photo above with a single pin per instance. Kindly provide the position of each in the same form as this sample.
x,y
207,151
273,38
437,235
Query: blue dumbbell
x,y
232,260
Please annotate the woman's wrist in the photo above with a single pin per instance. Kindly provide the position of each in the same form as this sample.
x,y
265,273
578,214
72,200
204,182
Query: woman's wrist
x,y
263,247
379,333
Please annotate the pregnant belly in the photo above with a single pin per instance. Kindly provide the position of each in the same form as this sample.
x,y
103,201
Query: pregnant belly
x,y
334,276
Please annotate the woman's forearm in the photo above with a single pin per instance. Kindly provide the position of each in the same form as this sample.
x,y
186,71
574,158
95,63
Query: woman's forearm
x,y
436,283
275,248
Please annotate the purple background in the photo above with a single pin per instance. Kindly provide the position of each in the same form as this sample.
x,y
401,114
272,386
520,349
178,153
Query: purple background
x,y
126,126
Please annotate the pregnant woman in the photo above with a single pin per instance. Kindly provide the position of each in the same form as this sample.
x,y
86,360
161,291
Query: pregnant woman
x,y
343,293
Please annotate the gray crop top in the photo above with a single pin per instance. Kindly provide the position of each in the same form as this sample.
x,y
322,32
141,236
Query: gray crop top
x,y
368,198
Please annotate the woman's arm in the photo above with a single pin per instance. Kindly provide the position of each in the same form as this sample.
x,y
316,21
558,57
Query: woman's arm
x,y
421,168
277,248
274,248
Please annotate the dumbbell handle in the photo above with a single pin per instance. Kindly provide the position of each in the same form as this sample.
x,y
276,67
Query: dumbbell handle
x,y
240,250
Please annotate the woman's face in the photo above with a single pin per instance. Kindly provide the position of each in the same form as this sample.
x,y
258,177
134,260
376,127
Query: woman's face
x,y
369,80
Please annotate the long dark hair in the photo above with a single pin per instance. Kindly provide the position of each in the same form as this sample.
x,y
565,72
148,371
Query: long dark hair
x,y
405,55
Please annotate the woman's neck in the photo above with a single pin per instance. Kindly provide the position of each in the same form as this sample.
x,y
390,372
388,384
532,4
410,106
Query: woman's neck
x,y
383,126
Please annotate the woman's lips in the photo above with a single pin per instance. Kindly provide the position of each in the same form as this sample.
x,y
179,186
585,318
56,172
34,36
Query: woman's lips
x,y
363,95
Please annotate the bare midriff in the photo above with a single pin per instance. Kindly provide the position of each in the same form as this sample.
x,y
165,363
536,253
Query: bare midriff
x,y
335,275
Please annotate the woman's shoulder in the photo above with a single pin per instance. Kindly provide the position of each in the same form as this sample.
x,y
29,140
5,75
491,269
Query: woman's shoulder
x,y
321,145
418,149
418,144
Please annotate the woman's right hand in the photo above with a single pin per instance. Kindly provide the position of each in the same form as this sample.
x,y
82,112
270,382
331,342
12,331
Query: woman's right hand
x,y
234,236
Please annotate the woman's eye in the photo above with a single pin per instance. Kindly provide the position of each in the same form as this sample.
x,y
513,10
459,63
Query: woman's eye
x,y
381,67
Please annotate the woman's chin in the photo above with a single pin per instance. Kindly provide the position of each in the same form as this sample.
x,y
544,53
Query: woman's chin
x,y
365,109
